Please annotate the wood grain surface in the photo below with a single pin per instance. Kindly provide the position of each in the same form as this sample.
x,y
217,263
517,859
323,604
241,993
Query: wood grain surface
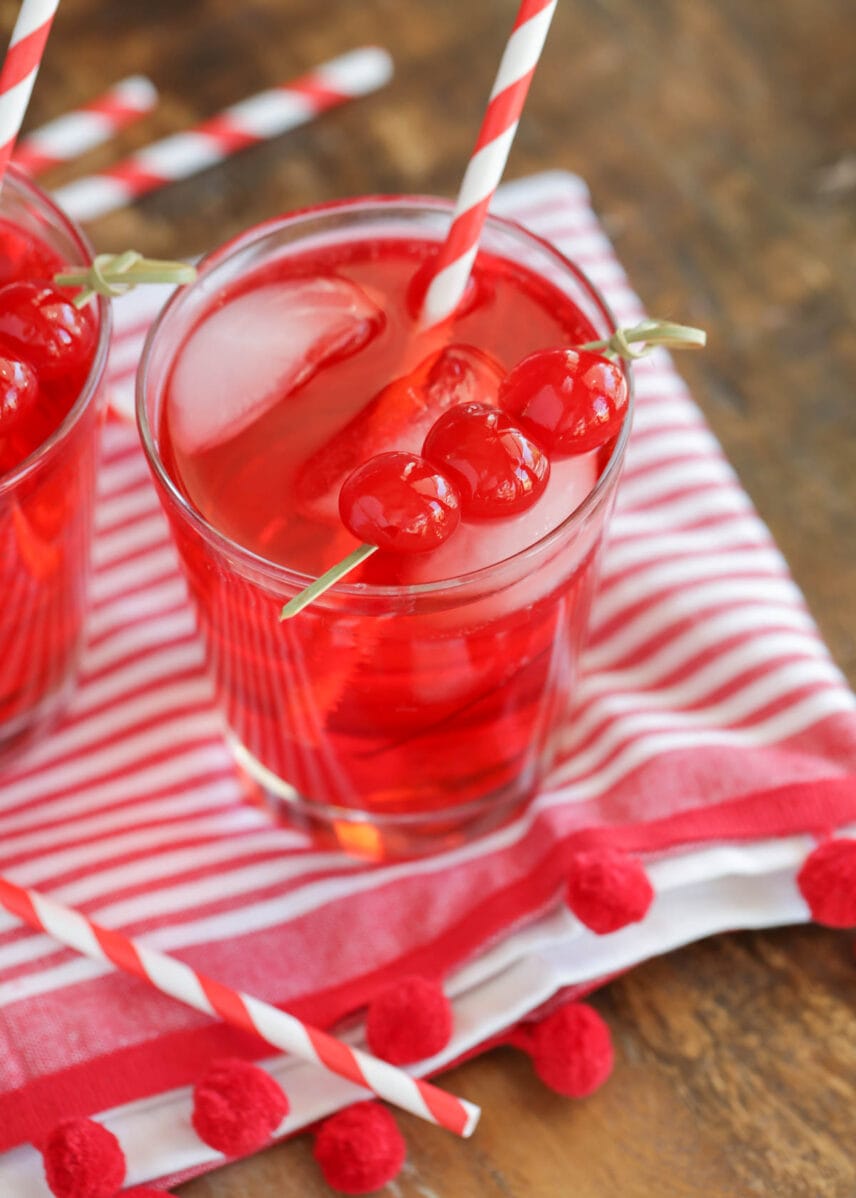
x,y
719,141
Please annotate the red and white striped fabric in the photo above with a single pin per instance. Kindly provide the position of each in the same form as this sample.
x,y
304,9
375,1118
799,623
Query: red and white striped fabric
x,y
77,132
713,735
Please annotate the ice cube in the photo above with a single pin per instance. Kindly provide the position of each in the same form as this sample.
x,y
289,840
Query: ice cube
x,y
245,356
398,417
477,544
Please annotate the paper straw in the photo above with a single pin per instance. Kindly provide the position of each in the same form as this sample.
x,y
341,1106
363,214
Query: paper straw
x,y
81,130
276,1027
23,59
488,159
261,117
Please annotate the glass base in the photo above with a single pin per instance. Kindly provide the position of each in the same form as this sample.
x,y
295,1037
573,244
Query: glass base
x,y
378,836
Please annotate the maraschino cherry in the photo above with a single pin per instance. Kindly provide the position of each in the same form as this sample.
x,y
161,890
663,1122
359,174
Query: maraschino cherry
x,y
571,400
497,469
399,502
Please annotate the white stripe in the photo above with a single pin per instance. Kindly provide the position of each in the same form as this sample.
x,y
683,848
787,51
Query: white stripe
x,y
13,105
484,171
771,731
523,49
144,534
109,583
270,113
356,73
157,631
728,665
68,927
729,550
175,978
446,286
200,800
89,198
180,155
688,575
145,606
280,1029
670,447
32,16
124,355
683,513
712,599
139,503
675,476
622,721
86,801
607,659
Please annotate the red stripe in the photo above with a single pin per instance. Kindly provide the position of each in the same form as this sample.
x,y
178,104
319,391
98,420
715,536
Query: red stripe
x,y
119,951
503,110
322,97
32,161
24,56
463,234
228,1004
137,180
529,9
336,1056
228,137
118,112
16,900
445,1108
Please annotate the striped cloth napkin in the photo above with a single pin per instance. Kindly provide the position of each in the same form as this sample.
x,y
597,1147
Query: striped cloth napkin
x,y
712,735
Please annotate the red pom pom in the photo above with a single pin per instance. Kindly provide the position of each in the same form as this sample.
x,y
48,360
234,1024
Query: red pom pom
x,y
572,1050
83,1160
827,882
608,890
360,1149
237,1107
409,1021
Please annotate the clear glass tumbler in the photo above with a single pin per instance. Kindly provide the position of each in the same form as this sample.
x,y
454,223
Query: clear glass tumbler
x,y
46,510
390,720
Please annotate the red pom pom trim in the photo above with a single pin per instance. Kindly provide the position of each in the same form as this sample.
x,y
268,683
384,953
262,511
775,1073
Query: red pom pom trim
x,y
360,1149
608,890
409,1021
82,1159
572,1050
827,882
237,1107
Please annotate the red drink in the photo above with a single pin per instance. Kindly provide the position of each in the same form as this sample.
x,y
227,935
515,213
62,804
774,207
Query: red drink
x,y
51,360
420,696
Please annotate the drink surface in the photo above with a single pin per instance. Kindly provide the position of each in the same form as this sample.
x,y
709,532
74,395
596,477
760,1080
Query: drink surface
x,y
442,711
317,363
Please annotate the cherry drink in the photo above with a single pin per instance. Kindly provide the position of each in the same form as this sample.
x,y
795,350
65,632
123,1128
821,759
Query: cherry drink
x,y
293,405
52,357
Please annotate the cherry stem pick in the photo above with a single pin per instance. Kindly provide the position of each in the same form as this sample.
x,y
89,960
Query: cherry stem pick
x,y
647,335
115,274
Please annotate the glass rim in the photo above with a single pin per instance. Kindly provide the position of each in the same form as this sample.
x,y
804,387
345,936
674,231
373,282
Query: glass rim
x,y
292,578
31,463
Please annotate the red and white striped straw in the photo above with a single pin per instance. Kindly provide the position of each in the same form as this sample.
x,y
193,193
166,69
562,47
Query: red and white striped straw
x,y
281,1030
81,130
20,67
260,117
489,156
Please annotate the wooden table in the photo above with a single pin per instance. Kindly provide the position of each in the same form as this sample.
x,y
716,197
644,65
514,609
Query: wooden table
x,y
715,140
